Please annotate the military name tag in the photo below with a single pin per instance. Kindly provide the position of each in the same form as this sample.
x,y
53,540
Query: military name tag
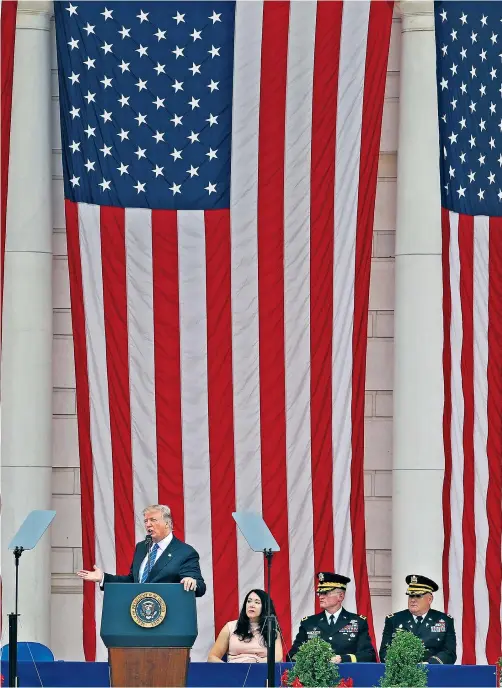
x,y
148,609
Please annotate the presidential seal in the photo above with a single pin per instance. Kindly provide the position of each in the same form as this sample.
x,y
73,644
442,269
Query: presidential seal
x,y
148,609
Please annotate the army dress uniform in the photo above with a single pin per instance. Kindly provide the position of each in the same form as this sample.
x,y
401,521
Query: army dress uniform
x,y
348,636
435,629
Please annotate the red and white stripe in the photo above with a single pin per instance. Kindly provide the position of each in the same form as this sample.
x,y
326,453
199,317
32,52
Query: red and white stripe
x,y
220,356
472,499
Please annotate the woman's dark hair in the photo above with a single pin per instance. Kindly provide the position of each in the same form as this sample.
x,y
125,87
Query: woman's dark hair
x,y
243,628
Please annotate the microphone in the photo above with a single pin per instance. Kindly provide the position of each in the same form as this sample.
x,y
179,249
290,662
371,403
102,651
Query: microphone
x,y
148,541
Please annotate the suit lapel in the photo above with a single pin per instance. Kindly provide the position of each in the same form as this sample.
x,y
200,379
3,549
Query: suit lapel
x,y
418,629
322,621
432,617
164,558
411,624
426,624
139,555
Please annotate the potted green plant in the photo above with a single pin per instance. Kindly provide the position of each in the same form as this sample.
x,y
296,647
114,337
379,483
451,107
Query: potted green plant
x,y
403,662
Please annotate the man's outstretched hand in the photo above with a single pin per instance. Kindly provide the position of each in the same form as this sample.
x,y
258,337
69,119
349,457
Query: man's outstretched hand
x,y
94,576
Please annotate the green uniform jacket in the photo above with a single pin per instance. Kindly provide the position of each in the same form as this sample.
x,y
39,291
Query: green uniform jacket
x,y
349,637
437,632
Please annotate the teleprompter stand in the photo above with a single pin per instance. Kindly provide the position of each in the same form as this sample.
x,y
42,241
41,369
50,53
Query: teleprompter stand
x,y
26,538
260,539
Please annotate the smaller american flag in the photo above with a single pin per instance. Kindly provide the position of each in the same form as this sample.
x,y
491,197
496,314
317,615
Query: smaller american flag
x,y
469,71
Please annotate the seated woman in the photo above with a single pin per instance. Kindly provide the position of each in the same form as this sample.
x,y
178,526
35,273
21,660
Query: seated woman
x,y
244,640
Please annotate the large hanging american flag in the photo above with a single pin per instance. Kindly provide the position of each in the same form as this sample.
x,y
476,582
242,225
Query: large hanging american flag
x,y
469,70
220,167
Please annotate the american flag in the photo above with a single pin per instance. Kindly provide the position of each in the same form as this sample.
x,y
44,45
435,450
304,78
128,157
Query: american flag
x,y
469,71
220,164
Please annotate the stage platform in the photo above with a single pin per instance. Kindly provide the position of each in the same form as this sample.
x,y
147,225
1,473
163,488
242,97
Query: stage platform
x,y
80,674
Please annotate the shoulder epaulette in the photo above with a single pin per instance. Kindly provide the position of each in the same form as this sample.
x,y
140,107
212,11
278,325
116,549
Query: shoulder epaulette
x,y
389,616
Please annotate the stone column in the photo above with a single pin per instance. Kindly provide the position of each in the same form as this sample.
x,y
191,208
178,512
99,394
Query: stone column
x,y
27,322
418,467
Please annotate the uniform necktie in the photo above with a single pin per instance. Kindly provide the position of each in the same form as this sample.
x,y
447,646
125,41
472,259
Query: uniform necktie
x,y
331,620
419,619
149,564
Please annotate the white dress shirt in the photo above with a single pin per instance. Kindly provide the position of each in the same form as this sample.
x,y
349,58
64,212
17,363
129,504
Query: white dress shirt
x,y
335,615
163,544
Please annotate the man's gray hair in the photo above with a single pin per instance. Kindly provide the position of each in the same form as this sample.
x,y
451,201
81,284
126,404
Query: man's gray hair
x,y
164,510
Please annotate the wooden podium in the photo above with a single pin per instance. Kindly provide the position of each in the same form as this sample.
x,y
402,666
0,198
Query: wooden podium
x,y
148,629
148,666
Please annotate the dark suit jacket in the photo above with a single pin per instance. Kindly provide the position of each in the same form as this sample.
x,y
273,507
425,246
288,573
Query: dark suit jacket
x,y
177,561
349,637
437,632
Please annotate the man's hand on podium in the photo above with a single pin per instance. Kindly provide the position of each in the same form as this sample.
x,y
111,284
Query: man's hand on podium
x,y
93,576
189,583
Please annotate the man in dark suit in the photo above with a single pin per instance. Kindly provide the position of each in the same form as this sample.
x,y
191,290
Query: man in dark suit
x,y
435,629
160,558
347,633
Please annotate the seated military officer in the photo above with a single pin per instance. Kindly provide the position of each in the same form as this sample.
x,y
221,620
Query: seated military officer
x,y
346,632
435,629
